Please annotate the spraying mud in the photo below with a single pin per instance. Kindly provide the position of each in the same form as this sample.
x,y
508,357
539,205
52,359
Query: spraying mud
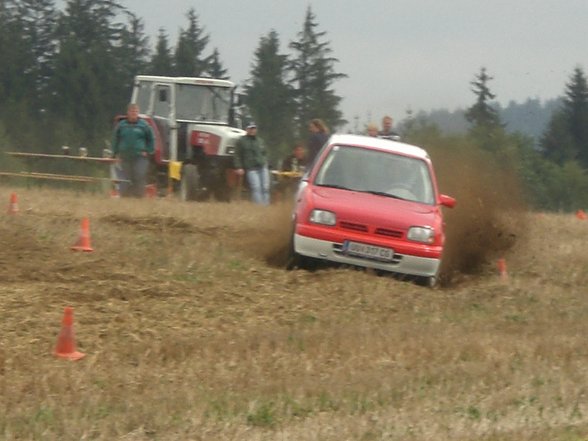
x,y
489,217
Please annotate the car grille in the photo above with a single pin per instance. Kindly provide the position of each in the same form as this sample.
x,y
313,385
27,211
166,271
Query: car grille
x,y
364,229
389,233
353,226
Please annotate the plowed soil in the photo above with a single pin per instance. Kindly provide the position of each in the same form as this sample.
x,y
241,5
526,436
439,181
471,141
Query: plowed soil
x,y
193,330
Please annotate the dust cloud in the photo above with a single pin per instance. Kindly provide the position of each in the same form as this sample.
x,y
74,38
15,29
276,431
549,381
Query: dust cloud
x,y
270,241
490,215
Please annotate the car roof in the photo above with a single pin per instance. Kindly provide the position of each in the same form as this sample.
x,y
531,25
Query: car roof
x,y
380,144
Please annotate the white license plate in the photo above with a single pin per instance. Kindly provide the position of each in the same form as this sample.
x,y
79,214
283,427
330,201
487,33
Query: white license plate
x,y
368,251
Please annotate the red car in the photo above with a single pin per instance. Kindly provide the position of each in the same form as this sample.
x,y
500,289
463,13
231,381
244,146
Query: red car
x,y
372,203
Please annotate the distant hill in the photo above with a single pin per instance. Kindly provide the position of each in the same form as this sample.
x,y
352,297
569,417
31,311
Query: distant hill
x,y
529,118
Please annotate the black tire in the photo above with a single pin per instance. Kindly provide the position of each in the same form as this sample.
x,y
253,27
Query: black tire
x,y
298,261
222,192
191,188
429,282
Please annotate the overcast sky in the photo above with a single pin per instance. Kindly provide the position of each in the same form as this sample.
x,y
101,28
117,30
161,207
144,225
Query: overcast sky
x,y
402,54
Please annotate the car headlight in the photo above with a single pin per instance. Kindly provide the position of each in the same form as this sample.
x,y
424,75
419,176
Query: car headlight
x,y
421,234
323,217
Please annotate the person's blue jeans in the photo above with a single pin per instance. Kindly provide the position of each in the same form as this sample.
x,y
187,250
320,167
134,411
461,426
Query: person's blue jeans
x,y
135,170
259,184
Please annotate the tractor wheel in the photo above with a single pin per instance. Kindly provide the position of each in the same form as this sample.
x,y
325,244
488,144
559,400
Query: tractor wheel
x,y
222,192
189,183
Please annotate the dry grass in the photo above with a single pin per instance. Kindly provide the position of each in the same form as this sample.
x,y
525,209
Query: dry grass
x,y
193,332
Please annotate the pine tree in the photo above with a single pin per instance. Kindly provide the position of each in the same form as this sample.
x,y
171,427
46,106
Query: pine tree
x,y
10,67
133,52
4,18
162,62
482,114
215,68
39,20
11,48
269,96
566,138
575,108
87,87
189,60
26,48
557,142
486,128
314,73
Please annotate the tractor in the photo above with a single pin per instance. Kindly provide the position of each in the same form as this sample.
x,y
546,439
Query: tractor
x,y
196,123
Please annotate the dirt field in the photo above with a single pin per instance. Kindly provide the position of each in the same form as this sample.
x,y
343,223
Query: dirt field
x,y
193,331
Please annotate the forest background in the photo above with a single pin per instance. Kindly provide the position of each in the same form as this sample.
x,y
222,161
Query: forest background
x,y
66,73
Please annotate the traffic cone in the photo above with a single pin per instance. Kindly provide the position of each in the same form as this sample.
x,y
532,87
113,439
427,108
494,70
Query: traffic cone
x,y
66,342
114,194
501,263
13,206
83,243
581,214
150,190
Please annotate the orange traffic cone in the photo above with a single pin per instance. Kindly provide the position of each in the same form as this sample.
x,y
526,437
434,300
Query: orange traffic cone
x,y
114,194
501,263
150,190
83,243
581,214
66,342
13,206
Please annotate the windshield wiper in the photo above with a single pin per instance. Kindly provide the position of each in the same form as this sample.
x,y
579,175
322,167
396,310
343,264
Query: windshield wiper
x,y
383,193
340,187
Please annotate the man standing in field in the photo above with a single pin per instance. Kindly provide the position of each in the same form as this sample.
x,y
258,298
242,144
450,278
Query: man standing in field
x,y
251,160
132,144
387,132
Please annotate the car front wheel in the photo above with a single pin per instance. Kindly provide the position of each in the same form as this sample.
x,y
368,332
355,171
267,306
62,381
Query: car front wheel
x,y
298,261
429,282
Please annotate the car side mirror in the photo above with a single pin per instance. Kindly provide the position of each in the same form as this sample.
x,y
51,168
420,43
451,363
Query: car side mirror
x,y
447,201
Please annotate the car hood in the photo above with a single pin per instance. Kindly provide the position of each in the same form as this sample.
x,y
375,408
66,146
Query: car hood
x,y
366,208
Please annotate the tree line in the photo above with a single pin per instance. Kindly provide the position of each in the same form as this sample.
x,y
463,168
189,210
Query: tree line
x,y
552,172
529,117
66,72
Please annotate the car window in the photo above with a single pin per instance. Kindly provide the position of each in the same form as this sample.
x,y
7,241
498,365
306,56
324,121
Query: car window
x,y
376,171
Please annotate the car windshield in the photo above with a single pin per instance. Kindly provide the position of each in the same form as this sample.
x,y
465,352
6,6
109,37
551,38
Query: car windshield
x,y
376,171
203,103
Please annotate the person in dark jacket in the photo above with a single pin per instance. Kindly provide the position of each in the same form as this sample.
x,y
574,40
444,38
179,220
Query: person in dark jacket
x,y
319,135
297,161
132,144
250,159
387,132
291,170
